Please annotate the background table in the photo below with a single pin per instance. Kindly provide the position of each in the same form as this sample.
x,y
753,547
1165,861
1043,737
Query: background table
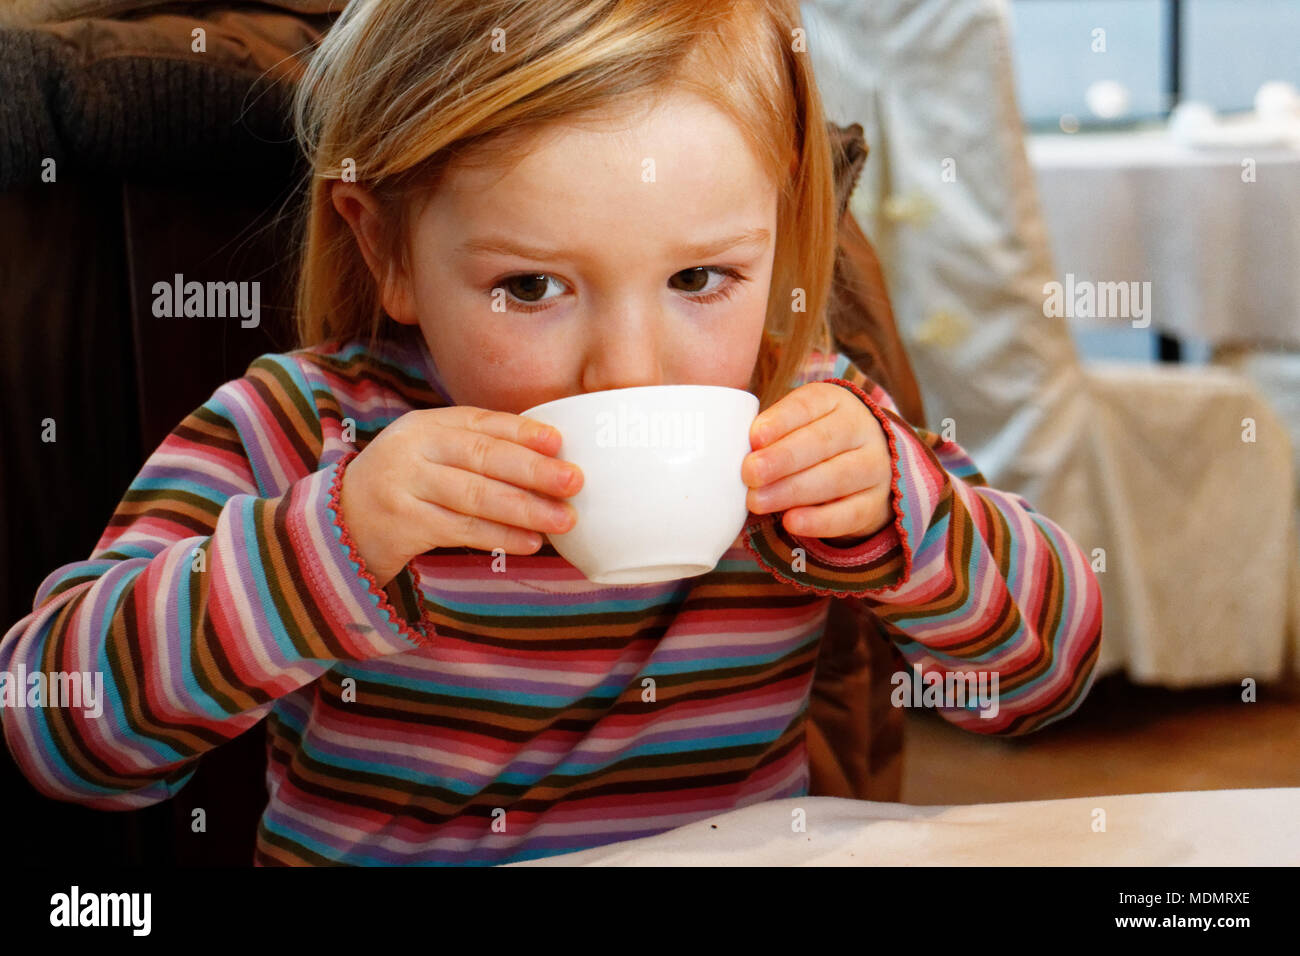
x,y
1203,828
1222,255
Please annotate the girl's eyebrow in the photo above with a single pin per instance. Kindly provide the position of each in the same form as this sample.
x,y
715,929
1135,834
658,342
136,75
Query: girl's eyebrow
x,y
504,245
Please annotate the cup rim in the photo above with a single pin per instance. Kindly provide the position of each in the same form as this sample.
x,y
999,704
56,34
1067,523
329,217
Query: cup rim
x,y
600,395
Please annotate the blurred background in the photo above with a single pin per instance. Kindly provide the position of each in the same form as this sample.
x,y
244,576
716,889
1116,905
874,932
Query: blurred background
x,y
1087,218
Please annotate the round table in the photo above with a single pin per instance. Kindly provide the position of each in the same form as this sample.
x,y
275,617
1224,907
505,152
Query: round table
x,y
1215,230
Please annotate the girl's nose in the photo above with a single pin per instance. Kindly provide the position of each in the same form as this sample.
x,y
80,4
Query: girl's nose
x,y
624,351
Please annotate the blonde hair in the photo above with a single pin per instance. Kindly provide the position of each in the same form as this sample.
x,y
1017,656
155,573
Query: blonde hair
x,y
402,88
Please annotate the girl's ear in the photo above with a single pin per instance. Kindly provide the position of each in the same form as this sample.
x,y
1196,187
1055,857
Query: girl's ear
x,y
360,211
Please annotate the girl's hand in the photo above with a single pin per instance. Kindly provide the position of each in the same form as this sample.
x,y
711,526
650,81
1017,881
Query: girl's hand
x,y
821,456
456,477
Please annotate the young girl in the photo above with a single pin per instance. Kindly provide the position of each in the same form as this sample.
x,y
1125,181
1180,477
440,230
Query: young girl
x,y
512,203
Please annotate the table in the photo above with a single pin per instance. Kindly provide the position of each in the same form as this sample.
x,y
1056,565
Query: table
x,y
1222,255
1183,828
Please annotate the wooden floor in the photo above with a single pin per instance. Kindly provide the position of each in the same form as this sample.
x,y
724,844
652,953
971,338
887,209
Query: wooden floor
x,y
1124,738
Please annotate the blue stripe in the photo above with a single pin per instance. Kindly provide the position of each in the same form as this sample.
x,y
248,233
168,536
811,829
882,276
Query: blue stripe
x,y
242,512
175,483
550,610
696,745
707,664
185,640
615,684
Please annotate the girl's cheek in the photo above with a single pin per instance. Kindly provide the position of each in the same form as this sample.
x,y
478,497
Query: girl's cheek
x,y
502,375
490,357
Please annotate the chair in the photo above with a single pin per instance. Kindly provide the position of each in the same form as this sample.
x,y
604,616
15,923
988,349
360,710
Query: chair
x,y
1149,468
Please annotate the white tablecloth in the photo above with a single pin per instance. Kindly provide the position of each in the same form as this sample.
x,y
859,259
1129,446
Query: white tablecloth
x,y
1222,255
1201,828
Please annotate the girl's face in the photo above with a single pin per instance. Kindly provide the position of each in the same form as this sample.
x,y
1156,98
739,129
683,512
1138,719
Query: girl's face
x,y
635,252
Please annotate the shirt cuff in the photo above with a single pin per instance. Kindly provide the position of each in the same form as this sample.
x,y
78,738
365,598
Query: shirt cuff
x,y
364,619
876,566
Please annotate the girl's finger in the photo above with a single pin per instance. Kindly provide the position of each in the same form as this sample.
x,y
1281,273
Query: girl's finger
x,y
493,456
804,447
836,519
467,493
504,425
845,474
469,531
805,404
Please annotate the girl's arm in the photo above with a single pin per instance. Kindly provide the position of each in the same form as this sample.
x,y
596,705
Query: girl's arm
x,y
222,583
967,579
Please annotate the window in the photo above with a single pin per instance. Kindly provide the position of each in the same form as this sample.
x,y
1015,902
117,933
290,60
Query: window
x,y
1118,62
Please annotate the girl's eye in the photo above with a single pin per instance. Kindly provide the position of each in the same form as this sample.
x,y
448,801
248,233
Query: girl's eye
x,y
695,281
527,288
527,291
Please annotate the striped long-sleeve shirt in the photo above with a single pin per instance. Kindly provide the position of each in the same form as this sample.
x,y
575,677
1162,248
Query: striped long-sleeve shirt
x,y
466,714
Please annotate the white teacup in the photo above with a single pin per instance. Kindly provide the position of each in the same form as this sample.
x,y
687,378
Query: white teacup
x,y
662,496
